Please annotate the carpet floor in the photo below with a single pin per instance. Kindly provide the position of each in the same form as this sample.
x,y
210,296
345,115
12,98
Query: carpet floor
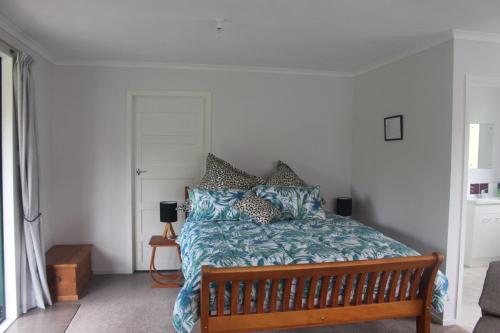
x,y
127,304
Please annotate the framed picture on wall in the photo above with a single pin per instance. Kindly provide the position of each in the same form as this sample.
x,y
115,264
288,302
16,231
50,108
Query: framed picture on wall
x,y
393,128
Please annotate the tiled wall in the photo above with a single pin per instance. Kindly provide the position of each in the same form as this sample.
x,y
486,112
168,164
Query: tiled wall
x,y
477,188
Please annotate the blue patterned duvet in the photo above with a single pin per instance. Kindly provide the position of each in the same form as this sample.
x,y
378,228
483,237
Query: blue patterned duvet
x,y
240,243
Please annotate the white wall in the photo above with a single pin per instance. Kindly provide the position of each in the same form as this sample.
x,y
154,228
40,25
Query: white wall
x,y
402,187
473,58
257,118
42,76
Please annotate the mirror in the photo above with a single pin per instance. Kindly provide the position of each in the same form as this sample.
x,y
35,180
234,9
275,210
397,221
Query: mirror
x,y
481,146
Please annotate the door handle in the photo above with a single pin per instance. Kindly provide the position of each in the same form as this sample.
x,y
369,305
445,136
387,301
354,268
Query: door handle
x,y
139,171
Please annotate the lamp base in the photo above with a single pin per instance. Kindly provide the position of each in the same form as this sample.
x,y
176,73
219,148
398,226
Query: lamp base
x,y
168,231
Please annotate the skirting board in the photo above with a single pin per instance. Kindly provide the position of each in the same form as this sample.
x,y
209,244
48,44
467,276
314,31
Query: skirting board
x,y
109,271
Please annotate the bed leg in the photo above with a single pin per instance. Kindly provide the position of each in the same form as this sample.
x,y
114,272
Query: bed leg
x,y
424,322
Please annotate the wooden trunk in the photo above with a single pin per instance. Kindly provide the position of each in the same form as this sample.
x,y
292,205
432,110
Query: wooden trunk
x,y
68,271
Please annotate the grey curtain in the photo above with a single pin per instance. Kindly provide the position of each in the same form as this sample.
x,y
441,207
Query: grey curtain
x,y
34,289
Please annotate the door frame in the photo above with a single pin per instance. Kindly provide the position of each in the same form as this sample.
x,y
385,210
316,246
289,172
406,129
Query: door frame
x,y
130,151
11,209
471,81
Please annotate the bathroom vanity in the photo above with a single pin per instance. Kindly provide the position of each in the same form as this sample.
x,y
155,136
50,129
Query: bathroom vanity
x,y
482,243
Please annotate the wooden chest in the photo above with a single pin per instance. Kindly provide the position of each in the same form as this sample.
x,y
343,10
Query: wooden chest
x,y
68,271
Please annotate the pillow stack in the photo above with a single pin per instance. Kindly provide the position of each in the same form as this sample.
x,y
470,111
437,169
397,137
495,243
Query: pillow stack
x,y
228,193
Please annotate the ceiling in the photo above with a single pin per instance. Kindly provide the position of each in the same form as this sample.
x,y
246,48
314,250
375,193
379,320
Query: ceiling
x,y
327,35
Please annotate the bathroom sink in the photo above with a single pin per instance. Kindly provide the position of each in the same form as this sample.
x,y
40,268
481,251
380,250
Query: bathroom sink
x,y
487,201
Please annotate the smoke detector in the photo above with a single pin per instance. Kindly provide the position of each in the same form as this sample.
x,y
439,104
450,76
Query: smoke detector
x,y
219,26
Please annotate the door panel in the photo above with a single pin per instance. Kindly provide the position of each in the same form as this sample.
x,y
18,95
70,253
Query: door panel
x,y
156,190
170,148
174,123
170,154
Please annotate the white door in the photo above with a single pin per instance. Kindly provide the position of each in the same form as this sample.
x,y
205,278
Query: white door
x,y
171,140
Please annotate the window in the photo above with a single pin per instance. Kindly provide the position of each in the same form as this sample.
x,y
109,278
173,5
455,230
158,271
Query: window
x,y
9,211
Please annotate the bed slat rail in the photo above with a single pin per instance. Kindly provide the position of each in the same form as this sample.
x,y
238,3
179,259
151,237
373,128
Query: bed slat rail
x,y
274,297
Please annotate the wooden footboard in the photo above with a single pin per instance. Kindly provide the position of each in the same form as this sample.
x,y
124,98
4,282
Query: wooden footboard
x,y
307,295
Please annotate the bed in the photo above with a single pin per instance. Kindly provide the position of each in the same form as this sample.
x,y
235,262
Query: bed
x,y
242,276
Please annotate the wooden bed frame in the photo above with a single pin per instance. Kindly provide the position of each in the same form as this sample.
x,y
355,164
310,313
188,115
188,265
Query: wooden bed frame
x,y
395,288
414,274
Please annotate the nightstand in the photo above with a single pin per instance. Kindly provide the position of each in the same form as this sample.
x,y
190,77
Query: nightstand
x,y
173,280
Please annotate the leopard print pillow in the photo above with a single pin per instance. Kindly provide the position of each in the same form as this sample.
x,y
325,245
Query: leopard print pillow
x,y
220,174
257,209
285,176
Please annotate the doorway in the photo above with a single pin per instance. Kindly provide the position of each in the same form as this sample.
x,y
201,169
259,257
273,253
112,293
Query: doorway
x,y
481,208
10,224
2,276
171,138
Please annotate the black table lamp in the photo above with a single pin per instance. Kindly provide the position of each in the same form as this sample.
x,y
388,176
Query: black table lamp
x,y
168,214
344,206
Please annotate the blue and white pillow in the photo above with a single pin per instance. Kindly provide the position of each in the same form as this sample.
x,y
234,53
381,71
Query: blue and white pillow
x,y
214,205
302,203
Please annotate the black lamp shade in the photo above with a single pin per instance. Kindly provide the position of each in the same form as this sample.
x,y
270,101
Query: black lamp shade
x,y
344,206
168,211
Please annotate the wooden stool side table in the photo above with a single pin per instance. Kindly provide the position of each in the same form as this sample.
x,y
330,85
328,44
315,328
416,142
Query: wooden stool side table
x,y
161,280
